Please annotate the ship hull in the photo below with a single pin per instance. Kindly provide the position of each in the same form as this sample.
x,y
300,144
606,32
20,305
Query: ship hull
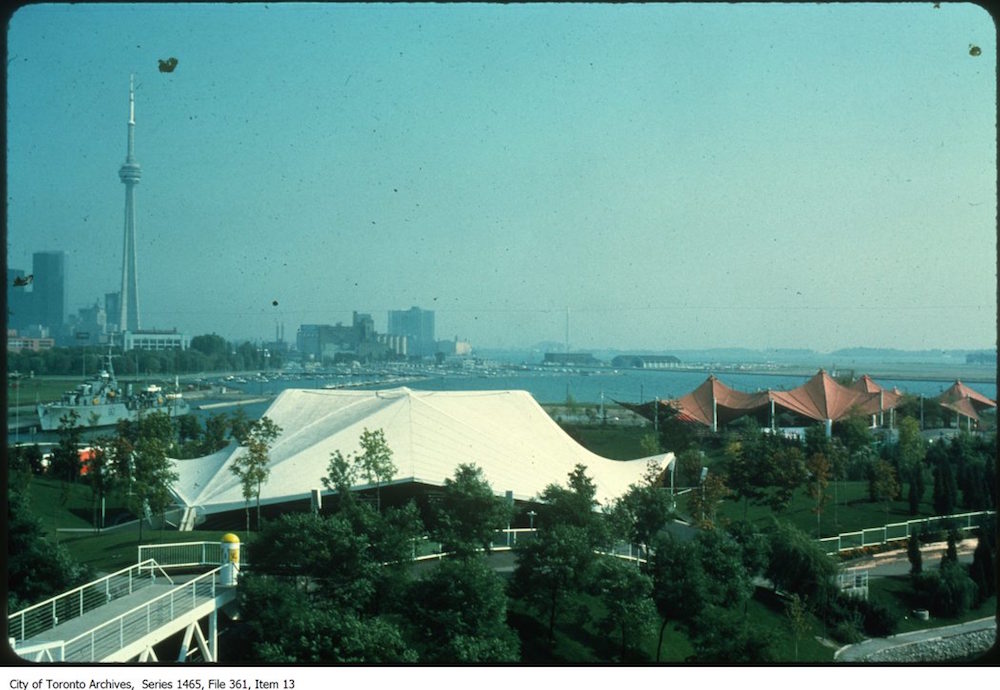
x,y
102,414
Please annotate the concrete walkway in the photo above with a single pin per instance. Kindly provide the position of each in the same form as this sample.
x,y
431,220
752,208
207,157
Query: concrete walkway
x,y
862,650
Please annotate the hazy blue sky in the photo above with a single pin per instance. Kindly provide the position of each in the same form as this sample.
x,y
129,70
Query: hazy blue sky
x,y
815,176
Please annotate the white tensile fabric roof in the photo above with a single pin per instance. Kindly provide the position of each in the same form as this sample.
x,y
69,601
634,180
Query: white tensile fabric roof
x,y
505,433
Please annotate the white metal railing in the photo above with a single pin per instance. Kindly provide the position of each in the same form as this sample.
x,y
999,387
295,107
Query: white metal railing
x,y
46,615
874,536
853,583
114,635
188,554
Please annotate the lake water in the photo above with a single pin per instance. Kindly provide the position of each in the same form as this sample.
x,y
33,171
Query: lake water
x,y
630,385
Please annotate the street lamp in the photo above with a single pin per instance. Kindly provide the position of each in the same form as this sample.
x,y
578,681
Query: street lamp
x,y
531,518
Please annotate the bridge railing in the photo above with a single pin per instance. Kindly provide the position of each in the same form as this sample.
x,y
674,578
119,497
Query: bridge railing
x,y
114,635
895,531
189,554
46,615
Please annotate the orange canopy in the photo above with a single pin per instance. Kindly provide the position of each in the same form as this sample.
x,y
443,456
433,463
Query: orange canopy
x,y
962,399
713,403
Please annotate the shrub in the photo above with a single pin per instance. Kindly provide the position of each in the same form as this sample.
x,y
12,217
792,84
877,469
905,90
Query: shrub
x,y
845,632
948,593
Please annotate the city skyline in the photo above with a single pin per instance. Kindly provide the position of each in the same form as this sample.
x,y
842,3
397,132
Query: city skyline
x,y
647,177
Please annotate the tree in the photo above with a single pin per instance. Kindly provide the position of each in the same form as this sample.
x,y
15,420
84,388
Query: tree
x,y
945,493
819,478
688,468
251,465
101,474
575,505
239,426
375,461
66,455
883,485
764,469
914,555
911,451
680,590
798,564
625,593
323,555
341,474
947,593
721,636
798,620
214,437
287,625
703,502
152,476
469,513
728,583
459,612
755,546
641,512
551,567
36,567
983,568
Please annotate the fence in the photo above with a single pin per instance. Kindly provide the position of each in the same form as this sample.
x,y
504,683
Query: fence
x,y
114,635
189,554
896,531
46,615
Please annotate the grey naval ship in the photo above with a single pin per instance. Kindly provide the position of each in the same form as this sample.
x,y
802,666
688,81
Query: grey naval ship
x,y
100,402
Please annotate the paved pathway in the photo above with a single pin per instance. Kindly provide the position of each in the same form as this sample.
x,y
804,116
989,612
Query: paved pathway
x,y
862,650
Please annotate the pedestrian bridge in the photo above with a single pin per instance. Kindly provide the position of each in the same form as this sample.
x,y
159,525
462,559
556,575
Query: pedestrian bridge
x,y
122,616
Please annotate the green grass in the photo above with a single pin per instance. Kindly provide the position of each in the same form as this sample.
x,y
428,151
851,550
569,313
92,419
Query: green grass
x,y
852,512
41,390
609,441
61,506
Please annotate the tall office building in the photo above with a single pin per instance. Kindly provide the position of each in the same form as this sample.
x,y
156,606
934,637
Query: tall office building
x,y
48,291
418,327
128,315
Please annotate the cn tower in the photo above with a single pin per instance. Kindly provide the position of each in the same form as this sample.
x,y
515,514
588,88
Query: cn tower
x,y
130,174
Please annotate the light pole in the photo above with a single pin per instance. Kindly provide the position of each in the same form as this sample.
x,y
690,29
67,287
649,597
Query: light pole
x,y
17,410
531,519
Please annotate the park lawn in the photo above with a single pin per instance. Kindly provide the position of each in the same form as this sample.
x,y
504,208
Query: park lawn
x,y
38,389
61,506
766,611
852,512
64,505
610,441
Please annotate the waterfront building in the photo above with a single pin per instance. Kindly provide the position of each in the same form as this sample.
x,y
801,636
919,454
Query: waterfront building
x,y
152,339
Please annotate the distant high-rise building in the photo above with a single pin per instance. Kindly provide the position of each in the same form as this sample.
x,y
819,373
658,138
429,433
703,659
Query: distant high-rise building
x,y
113,308
418,327
48,288
128,314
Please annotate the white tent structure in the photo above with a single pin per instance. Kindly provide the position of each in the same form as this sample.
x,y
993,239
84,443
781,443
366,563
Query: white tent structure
x,y
506,433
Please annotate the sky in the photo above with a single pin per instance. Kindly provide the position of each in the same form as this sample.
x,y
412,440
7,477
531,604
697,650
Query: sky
x,y
648,176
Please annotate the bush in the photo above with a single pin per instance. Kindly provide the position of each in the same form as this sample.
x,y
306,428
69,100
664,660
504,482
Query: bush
x,y
845,632
877,619
948,593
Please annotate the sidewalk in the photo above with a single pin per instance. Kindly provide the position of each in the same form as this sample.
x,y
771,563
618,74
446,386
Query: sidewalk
x,y
863,650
